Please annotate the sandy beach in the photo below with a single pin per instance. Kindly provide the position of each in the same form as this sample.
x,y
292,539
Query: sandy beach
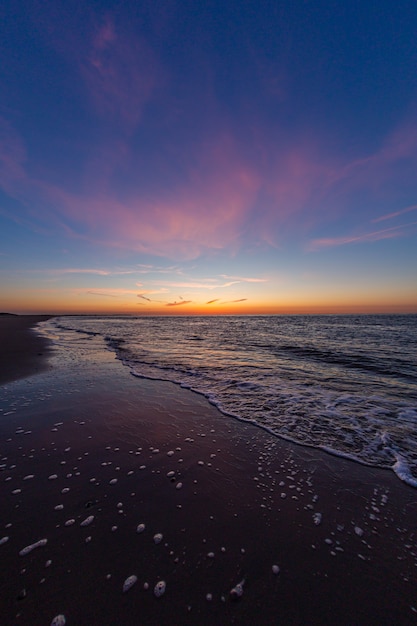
x,y
106,476
21,349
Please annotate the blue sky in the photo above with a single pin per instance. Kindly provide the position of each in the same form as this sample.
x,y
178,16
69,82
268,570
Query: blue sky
x,y
159,156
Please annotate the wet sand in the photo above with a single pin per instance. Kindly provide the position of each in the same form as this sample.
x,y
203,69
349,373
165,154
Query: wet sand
x,y
22,351
90,439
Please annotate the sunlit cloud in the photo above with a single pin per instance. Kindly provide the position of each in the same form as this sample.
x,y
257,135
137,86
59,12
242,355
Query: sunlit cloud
x,y
213,301
242,279
178,303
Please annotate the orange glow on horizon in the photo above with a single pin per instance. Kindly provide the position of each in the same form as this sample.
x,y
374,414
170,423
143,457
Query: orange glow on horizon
x,y
324,308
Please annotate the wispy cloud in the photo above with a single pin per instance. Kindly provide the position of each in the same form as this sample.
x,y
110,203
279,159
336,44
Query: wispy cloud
x,y
155,269
178,303
119,72
80,270
242,279
387,233
198,285
101,293
390,216
111,293
213,301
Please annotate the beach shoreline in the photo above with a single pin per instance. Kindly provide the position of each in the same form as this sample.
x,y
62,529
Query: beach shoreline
x,y
23,351
230,500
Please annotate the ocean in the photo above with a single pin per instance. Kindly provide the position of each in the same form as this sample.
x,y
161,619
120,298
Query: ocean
x,y
343,383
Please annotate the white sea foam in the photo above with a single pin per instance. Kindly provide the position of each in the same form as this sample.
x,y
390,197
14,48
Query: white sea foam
x,y
333,382
403,471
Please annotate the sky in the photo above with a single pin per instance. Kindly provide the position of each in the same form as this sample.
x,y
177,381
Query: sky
x,y
217,157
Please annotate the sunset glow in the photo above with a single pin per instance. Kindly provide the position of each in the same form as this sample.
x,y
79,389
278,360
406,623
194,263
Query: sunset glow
x,y
208,159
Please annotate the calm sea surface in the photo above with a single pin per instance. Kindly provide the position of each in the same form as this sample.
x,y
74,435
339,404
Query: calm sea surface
x,y
347,384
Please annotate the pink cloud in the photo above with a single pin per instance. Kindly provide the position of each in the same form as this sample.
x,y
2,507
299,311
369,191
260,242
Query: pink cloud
x,y
119,72
206,212
219,204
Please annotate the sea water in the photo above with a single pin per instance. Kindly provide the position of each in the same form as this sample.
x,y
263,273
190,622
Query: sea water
x,y
346,384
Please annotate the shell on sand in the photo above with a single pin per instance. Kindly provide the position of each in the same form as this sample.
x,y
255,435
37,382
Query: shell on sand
x,y
37,544
88,520
160,588
59,620
3,540
140,528
317,517
237,591
275,569
129,582
158,537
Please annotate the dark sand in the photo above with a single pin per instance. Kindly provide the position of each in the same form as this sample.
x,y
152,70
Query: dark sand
x,y
22,351
247,497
